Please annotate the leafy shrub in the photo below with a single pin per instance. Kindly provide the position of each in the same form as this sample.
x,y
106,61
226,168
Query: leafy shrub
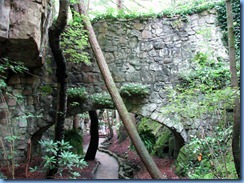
x,y
77,93
206,75
102,99
66,159
75,140
148,139
208,157
146,135
134,90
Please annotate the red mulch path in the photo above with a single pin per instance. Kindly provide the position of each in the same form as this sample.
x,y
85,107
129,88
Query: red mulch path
x,y
165,165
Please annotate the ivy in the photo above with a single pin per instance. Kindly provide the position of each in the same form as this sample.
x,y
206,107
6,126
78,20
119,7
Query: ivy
x,y
74,41
206,75
182,10
7,65
222,22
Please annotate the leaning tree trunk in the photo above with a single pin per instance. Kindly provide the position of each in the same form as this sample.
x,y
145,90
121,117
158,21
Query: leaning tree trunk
x,y
129,125
234,83
54,33
93,145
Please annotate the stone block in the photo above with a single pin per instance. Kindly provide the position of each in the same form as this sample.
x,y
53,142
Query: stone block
x,y
154,116
23,123
155,67
14,80
12,102
159,45
146,34
4,18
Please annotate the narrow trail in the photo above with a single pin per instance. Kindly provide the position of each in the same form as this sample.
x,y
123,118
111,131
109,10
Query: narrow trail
x,y
108,167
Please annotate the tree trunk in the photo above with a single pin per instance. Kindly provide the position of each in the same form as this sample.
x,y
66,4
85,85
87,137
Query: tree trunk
x,y
76,122
129,125
93,145
234,84
54,33
111,133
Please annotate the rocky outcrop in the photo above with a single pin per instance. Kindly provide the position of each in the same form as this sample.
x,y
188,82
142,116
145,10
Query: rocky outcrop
x,y
23,26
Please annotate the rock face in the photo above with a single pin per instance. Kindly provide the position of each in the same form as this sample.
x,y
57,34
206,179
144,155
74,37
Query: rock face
x,y
25,107
23,27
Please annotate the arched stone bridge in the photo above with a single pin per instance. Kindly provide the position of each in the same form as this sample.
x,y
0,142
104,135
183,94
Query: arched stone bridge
x,y
152,52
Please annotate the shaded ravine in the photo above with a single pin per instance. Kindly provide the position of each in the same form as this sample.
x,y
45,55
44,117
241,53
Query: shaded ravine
x,y
108,167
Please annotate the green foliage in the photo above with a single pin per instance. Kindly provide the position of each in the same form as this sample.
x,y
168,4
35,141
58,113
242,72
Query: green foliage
x,y
222,19
66,159
74,41
163,138
182,10
134,90
148,139
206,75
102,99
146,134
9,152
80,93
8,65
222,22
191,104
46,90
210,157
75,139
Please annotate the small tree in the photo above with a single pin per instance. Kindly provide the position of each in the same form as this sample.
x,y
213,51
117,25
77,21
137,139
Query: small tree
x,y
93,145
54,39
234,83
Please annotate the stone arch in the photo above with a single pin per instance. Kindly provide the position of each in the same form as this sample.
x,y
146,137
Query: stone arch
x,y
150,52
178,131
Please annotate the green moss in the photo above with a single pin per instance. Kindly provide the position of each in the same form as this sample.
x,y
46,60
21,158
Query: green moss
x,y
46,89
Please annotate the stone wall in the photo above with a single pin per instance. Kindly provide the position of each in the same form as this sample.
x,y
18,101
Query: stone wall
x,y
152,52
